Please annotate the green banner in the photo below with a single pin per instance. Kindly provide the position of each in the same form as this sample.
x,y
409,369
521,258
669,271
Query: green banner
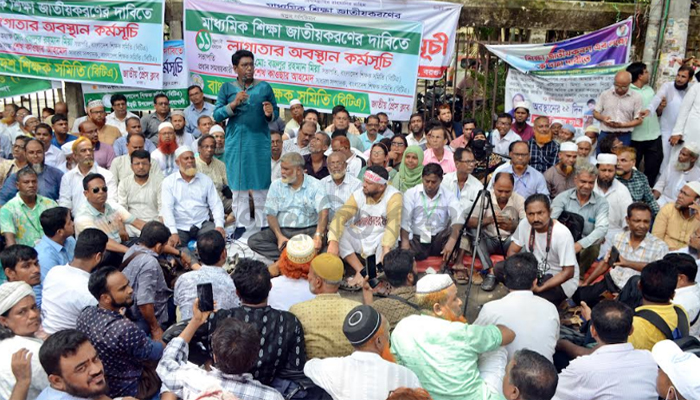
x,y
142,100
15,86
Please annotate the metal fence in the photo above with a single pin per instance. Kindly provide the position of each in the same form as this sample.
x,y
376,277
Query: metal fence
x,y
36,102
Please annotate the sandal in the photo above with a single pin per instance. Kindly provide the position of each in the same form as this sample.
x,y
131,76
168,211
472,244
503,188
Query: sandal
x,y
460,275
345,285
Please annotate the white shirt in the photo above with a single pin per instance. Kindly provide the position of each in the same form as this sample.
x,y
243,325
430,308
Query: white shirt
x,y
501,144
287,292
359,376
561,251
72,194
276,168
120,124
54,157
466,195
339,194
166,162
7,379
688,121
65,293
13,130
188,203
612,372
425,217
291,146
674,99
672,181
413,142
619,198
534,320
143,202
354,166
689,298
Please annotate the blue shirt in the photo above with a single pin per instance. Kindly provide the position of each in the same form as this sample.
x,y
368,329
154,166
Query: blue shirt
x,y
296,208
529,183
119,147
192,115
49,185
5,147
52,254
52,394
368,143
69,138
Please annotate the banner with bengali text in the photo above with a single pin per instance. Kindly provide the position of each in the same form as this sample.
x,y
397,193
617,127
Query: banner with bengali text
x,y
604,47
440,22
569,96
366,64
15,86
175,83
105,42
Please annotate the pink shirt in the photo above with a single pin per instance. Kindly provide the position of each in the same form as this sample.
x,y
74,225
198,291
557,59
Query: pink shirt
x,y
459,142
447,163
526,134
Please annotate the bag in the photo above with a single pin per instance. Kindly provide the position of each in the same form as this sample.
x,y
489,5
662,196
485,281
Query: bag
x,y
680,335
574,222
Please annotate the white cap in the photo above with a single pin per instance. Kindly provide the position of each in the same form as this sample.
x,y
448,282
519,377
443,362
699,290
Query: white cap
x,y
557,121
164,125
216,128
682,368
692,147
182,150
568,146
592,128
522,104
294,102
433,283
694,186
94,103
605,158
583,138
27,118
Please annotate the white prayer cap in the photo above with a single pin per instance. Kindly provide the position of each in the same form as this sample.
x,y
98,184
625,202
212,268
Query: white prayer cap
x,y
433,283
691,146
94,103
164,125
182,150
605,158
216,128
11,293
27,118
294,102
568,146
522,104
557,121
694,186
682,368
569,128
583,138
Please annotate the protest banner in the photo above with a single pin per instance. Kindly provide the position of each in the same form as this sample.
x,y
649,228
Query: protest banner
x,y
368,65
569,96
174,83
15,86
605,47
439,19
105,42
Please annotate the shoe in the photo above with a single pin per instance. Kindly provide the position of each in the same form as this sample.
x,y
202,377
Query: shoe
x,y
238,233
489,283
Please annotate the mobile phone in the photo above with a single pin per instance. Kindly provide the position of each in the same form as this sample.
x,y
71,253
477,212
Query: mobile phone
x,y
371,270
205,294
614,256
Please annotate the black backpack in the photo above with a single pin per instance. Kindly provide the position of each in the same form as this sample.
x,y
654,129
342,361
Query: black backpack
x,y
680,335
574,222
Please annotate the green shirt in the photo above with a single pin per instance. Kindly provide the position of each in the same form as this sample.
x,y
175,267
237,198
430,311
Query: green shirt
x,y
444,355
650,128
17,218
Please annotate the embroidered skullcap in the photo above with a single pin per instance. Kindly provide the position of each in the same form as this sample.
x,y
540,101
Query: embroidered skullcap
x,y
361,324
11,293
604,158
94,103
433,283
328,267
300,249
568,146
182,150
177,112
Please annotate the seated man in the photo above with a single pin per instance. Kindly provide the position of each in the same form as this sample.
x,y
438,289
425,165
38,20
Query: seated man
x,y
635,181
341,126
292,286
593,207
617,195
188,198
677,174
566,133
104,153
18,160
122,346
534,320
675,222
57,246
529,375
20,264
275,155
296,204
315,162
375,212
400,271
164,155
213,168
430,214
140,192
211,248
355,162
543,149
528,180
301,143
442,349
133,126
687,292
53,156
322,318
560,177
183,138
340,184
657,284
627,373
437,151
585,150
73,366
637,248
19,218
369,369
220,136
49,178
553,246
65,291
121,166
204,124
235,347
281,331
72,194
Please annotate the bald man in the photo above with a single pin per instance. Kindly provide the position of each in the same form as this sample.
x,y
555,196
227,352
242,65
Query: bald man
x,y
619,110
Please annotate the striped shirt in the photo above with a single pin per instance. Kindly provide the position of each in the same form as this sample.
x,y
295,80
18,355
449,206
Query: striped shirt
x,y
638,186
108,221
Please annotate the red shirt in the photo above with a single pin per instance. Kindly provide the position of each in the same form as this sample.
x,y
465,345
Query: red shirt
x,y
526,134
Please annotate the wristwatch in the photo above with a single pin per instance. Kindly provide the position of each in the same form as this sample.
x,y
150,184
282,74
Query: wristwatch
x,y
319,234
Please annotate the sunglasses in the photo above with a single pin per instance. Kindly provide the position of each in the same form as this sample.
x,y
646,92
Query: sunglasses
x,y
97,189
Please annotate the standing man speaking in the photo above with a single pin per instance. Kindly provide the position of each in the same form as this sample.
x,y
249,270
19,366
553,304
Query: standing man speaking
x,y
248,104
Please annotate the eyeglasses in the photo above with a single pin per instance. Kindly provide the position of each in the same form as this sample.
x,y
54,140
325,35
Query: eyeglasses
x,y
521,155
97,189
398,144
466,161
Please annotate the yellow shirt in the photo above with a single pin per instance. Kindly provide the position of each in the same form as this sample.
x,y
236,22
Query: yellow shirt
x,y
673,228
645,335
322,319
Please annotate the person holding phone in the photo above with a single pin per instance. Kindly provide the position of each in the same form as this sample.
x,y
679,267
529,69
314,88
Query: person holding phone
x,y
619,110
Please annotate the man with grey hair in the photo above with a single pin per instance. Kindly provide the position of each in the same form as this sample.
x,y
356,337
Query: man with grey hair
x,y
677,174
593,207
296,204
339,184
